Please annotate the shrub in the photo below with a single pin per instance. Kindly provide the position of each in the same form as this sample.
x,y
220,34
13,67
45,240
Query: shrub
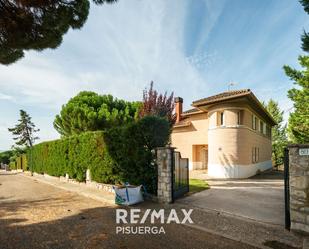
x,y
5,156
132,149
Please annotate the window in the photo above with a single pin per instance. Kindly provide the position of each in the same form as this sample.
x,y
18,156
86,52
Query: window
x,y
239,117
255,154
268,131
264,128
220,118
261,126
254,122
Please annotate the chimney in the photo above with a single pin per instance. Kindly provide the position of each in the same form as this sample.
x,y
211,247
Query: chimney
x,y
178,108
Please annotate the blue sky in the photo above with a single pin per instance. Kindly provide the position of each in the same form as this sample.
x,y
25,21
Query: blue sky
x,y
192,47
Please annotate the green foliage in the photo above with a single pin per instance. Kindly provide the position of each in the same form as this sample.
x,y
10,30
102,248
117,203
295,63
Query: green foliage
x,y
38,24
132,149
89,111
298,127
72,155
5,156
13,165
305,36
19,161
278,133
119,154
24,131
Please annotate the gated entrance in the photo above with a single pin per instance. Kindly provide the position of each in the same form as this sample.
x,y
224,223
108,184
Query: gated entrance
x,y
180,176
287,189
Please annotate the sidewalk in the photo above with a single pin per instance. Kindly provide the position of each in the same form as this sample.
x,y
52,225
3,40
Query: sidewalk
x,y
84,190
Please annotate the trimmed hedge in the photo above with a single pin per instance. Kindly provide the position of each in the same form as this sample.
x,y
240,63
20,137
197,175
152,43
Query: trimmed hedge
x,y
73,155
121,154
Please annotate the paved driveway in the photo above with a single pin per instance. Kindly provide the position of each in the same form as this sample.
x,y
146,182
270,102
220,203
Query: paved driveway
x,y
260,198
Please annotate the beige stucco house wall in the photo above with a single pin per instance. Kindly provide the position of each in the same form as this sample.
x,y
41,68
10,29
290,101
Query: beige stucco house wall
x,y
228,134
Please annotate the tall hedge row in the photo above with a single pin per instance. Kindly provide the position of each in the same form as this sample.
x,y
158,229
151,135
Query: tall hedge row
x,y
73,155
120,154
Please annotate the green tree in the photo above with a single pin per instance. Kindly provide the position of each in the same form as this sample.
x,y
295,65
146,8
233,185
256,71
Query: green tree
x,y
24,131
305,36
5,156
278,132
38,24
89,111
298,127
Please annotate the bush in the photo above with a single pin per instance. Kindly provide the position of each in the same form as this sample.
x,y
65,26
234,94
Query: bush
x,y
132,149
5,156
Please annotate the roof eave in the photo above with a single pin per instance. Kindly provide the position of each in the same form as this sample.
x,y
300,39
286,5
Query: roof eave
x,y
200,103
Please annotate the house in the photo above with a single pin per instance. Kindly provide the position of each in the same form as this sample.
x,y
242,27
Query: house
x,y
228,134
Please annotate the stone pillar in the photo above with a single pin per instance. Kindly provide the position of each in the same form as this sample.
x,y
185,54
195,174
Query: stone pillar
x,y
165,161
299,187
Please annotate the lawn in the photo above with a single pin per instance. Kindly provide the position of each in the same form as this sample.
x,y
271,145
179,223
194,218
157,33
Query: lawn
x,y
196,185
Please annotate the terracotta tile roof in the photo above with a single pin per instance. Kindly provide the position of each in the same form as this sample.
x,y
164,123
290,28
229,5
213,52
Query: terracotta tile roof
x,y
222,96
191,111
182,123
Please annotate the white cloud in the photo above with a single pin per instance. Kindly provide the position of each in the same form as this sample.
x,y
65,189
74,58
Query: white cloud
x,y
5,96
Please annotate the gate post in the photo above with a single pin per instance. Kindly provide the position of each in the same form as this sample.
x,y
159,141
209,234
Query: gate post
x,y
299,187
165,157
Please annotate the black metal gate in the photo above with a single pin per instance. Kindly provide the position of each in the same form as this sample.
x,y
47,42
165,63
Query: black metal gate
x,y
287,189
180,176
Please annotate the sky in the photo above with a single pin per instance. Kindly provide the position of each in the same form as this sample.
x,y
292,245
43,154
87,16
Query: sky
x,y
194,48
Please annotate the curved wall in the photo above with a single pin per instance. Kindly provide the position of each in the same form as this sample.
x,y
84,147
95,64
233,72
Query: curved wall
x,y
231,146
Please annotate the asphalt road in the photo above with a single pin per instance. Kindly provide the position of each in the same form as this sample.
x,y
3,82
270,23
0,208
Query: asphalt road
x,y
37,215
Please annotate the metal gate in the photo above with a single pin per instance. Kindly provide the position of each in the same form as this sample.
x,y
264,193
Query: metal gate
x,y
287,189
180,176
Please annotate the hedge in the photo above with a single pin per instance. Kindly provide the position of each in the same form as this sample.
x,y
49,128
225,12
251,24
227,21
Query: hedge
x,y
73,155
120,154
